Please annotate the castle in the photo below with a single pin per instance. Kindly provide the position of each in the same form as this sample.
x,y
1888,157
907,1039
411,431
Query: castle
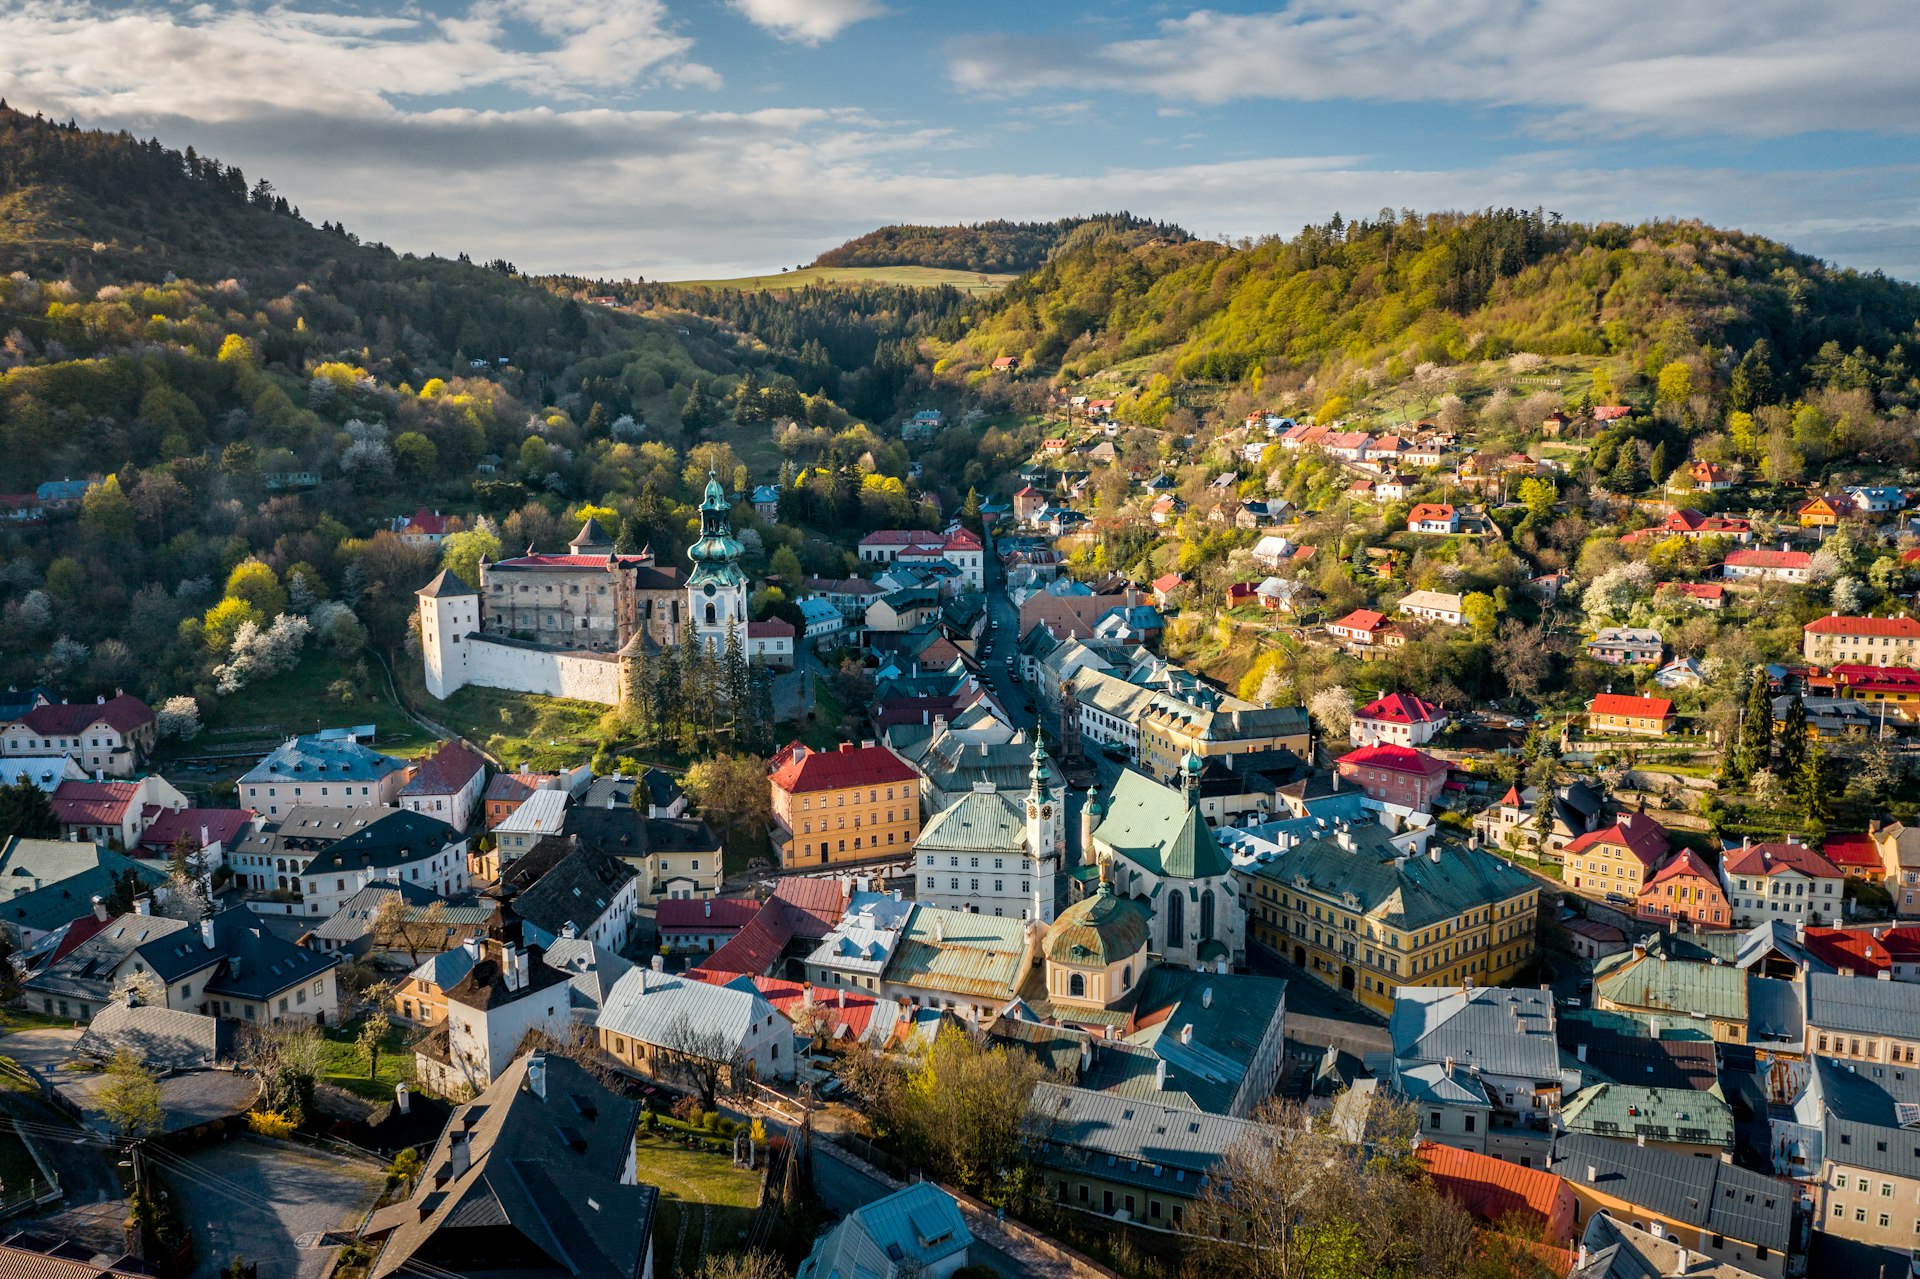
x,y
558,624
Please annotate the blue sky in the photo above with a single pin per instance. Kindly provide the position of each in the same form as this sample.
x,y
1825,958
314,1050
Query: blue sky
x,y
681,138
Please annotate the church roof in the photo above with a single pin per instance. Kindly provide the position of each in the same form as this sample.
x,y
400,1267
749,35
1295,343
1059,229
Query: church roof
x,y
1155,828
1098,930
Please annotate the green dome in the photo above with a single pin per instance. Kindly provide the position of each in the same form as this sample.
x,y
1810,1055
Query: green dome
x,y
1097,931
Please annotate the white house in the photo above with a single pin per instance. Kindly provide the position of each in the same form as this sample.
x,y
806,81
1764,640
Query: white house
x,y
1433,517
771,643
110,735
1787,881
1782,565
1397,719
446,785
506,992
402,846
325,772
1432,606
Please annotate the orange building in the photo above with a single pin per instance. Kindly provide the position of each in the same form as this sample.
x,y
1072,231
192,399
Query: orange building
x,y
848,805
1620,713
1820,512
1685,891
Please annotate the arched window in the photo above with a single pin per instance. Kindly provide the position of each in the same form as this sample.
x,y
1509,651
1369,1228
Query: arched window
x,y
1206,915
1176,919
1077,986
1126,977
710,615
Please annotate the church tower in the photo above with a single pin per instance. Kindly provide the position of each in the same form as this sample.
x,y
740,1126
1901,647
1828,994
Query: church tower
x,y
1043,833
716,589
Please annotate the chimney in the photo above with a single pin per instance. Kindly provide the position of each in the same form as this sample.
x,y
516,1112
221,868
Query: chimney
x,y
846,748
570,930
708,911
100,909
1186,1033
1433,854
840,997
143,905
460,1156
1086,1055
1206,997
1160,1074
206,932
472,947
1593,1175
658,964
1581,1264
402,1099
1580,1052
537,1075
939,930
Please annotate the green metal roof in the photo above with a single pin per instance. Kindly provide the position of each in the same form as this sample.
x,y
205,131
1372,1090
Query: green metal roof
x,y
978,822
1663,985
1374,878
1658,1114
1098,930
1155,828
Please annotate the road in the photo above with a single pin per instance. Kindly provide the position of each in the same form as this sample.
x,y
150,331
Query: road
x,y
268,1202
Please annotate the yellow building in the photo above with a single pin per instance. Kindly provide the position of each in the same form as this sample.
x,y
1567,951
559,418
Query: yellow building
x,y
854,804
1170,729
1820,512
1837,640
1365,917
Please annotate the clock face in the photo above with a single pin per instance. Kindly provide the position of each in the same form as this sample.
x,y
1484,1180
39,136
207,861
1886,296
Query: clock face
x,y
709,590
1047,811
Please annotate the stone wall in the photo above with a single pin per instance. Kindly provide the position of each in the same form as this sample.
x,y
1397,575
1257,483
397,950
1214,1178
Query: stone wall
x,y
586,677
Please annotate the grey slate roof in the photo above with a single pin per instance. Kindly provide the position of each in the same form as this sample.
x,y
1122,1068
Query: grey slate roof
x,y
397,838
591,970
1707,1193
354,919
251,962
1862,1005
1862,1104
45,883
1501,1032
162,1038
576,889
1119,1139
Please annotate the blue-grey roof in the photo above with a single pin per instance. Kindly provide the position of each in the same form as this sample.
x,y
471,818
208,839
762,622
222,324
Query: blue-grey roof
x,y
1498,1031
398,838
317,759
1707,1193
916,1227
1863,1005
1861,1104
1118,1138
45,883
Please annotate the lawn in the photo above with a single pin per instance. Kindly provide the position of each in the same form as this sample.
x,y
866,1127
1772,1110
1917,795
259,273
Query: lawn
x,y
545,733
265,714
344,1067
926,277
705,1201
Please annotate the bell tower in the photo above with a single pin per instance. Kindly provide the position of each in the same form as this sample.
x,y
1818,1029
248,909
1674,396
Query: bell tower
x,y
716,589
1043,832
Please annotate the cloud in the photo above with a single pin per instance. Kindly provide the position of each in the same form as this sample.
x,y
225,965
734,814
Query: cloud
x,y
807,21
1763,68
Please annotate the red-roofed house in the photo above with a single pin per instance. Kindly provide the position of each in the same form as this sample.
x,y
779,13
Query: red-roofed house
x,y
1787,881
1005,363
1899,685
425,528
800,907
700,926
1397,775
1704,594
1855,854
1685,890
1164,586
1710,476
1621,713
1027,503
213,831
1361,628
1782,565
113,813
446,785
1869,641
1867,952
1398,719
1617,860
1433,517
1493,1191
847,805
771,642
111,736
507,791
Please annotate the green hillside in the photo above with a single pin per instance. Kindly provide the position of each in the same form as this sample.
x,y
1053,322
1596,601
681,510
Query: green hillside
x,y
994,247
926,277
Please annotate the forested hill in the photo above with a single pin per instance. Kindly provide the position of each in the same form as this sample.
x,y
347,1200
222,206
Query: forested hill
x,y
1349,304
989,246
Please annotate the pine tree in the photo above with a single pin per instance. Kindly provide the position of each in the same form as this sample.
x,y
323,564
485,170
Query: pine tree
x,y
667,682
641,705
1814,785
763,724
1793,737
1755,749
734,686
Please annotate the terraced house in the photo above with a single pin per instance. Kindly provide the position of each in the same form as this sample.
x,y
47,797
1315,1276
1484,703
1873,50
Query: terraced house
x,y
1362,915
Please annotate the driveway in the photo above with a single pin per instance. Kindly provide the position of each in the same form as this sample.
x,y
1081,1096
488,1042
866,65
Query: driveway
x,y
41,1049
268,1202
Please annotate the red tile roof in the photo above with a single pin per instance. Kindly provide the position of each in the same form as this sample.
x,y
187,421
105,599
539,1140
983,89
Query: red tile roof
x,y
1769,559
445,771
1623,704
904,537
1765,859
1362,619
515,786
851,1009
813,904
1904,627
810,770
697,915
1167,581
1400,708
543,560
1860,950
1855,851
77,931
1429,511
221,826
1685,863
1489,1188
425,521
1639,834
1398,759
772,628
754,949
123,714
93,803
1876,678
1699,590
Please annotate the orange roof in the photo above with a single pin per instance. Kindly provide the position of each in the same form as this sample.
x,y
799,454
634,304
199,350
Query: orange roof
x,y
1430,511
1639,834
1765,859
1362,619
1491,1188
1834,624
1636,707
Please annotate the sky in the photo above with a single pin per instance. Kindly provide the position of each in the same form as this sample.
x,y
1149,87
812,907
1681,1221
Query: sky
x,y
677,139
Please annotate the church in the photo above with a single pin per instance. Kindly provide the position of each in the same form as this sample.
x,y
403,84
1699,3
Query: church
x,y
1156,847
558,623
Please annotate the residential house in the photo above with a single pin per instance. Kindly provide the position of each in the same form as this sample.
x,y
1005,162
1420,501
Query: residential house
x,y
1572,811
427,925
506,991
1684,1121
1173,730
47,884
231,965
1626,646
113,735
45,772
1861,1019
847,805
1639,716
446,785
770,643
507,791
1710,997
425,528
1618,860
1398,776
1783,565
116,813
1708,477
541,815
1499,1051
1822,512
1786,880
1693,526
326,772
652,1020
398,845
1898,846
1433,517
766,501
917,1230
1444,607
1355,910
1850,1143
995,852
1500,1194
1877,499
1362,628
1722,1213
953,960
1685,892
676,858
1867,641
562,1198
564,890
703,925
1397,719
1707,595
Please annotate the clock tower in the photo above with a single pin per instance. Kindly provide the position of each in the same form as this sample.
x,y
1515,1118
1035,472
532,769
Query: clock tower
x,y
716,589
1043,831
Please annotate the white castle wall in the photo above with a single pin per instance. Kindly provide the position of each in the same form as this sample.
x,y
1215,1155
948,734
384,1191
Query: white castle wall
x,y
586,677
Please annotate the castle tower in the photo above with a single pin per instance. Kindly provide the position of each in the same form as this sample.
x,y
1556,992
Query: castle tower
x,y
716,589
449,614
1043,831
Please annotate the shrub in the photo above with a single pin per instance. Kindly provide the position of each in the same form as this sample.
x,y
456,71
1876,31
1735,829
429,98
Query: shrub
x,y
710,1120
270,1123
687,1110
